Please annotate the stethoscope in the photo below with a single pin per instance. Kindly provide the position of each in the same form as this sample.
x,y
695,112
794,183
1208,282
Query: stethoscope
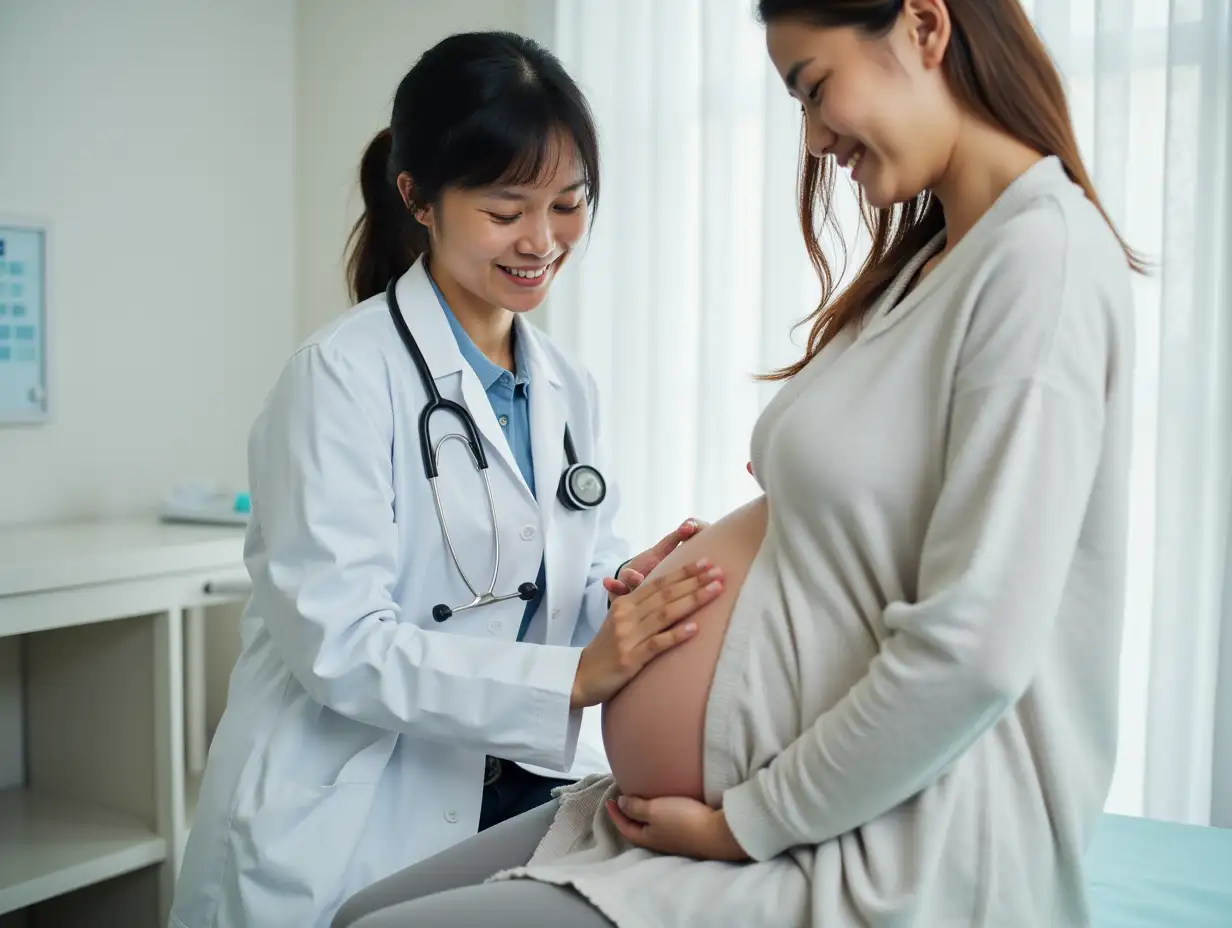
x,y
581,485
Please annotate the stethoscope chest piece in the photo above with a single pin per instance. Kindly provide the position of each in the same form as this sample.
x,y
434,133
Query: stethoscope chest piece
x,y
581,487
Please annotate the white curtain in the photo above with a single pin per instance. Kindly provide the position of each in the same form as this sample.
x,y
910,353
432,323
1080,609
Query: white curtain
x,y
1151,88
695,273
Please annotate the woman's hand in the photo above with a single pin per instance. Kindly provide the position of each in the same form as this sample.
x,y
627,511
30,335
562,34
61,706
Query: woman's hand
x,y
678,826
634,570
640,626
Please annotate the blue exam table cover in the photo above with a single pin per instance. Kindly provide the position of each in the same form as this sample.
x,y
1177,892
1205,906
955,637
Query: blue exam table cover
x,y
1150,874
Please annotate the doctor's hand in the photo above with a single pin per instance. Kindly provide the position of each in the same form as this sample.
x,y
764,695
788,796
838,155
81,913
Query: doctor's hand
x,y
634,570
640,626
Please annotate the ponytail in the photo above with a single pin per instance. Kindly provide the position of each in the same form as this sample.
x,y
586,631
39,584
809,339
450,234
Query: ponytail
x,y
386,240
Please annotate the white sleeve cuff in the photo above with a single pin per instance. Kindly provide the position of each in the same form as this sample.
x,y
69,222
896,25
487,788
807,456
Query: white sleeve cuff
x,y
561,724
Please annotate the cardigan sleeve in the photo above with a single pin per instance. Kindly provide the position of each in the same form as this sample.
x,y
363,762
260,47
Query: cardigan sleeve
x,y
1023,449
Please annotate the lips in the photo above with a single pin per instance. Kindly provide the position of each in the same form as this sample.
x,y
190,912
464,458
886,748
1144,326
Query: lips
x,y
530,276
852,157
526,273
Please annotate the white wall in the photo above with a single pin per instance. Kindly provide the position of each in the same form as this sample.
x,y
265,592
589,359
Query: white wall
x,y
157,138
349,59
198,162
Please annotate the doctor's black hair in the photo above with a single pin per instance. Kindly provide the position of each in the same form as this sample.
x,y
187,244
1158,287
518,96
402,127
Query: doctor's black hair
x,y
477,109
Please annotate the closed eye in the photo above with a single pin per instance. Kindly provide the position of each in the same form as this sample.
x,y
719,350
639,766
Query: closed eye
x,y
813,97
506,219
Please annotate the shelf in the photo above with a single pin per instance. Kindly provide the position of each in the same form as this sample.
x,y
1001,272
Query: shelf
x,y
52,846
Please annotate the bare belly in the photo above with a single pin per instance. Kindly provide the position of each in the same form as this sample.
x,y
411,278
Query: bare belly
x,y
653,728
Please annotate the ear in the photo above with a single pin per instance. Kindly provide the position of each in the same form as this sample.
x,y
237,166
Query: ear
x,y
930,26
406,187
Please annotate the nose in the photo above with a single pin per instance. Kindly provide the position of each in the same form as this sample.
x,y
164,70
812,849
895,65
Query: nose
x,y
537,239
819,138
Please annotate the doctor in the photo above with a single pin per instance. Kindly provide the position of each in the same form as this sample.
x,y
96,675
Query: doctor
x,y
372,701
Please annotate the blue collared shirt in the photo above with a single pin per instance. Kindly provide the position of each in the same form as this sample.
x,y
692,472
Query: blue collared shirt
x,y
509,394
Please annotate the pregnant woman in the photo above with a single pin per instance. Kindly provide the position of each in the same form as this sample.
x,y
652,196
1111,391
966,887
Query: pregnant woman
x,y
902,709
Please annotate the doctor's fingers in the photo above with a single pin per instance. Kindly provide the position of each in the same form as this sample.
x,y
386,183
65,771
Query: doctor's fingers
x,y
676,597
668,543
676,580
631,579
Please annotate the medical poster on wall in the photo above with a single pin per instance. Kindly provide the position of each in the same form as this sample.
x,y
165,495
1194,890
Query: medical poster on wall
x,y
23,342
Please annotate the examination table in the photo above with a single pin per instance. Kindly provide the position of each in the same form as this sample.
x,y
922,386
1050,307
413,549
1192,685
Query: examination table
x,y
1150,874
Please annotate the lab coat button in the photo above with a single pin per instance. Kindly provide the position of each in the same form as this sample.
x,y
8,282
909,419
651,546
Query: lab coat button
x,y
495,626
528,532
451,817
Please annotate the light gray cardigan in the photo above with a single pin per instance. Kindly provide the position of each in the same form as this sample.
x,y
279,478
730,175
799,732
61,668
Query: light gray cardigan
x,y
913,718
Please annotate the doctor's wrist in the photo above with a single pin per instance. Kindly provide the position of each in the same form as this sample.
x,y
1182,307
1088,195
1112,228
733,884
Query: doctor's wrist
x,y
577,695
586,691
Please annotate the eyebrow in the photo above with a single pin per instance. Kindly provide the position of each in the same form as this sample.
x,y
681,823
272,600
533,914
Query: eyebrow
x,y
509,193
793,73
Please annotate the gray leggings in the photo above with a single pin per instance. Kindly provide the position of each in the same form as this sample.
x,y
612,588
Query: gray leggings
x,y
447,890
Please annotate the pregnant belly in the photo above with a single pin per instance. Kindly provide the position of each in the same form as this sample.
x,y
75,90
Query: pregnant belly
x,y
653,728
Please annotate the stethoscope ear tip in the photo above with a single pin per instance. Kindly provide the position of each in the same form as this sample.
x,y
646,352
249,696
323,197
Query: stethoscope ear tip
x,y
528,591
441,612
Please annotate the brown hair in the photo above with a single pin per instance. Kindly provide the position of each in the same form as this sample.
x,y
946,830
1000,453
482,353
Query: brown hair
x,y
999,70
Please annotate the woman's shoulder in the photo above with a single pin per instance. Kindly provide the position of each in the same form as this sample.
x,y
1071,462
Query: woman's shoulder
x,y
363,329
342,369
354,348
1057,236
1049,292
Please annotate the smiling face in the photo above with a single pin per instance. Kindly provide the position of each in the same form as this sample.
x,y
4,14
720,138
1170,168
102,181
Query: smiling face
x,y
502,246
878,104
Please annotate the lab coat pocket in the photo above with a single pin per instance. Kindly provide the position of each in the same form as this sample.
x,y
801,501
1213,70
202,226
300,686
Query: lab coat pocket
x,y
369,762
304,842
313,746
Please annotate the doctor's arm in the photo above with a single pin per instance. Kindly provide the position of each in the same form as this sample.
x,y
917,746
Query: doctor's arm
x,y
1023,450
325,567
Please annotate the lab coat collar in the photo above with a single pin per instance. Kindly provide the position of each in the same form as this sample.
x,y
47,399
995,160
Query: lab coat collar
x,y
422,314
426,320
488,371
539,363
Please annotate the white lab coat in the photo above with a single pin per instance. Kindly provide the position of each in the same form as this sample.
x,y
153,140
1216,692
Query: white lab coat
x,y
356,727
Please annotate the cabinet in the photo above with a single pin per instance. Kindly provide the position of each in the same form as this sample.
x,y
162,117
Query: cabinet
x,y
102,716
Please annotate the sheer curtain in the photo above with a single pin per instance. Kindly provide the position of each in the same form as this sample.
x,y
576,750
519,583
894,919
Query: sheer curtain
x,y
695,274
1151,90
